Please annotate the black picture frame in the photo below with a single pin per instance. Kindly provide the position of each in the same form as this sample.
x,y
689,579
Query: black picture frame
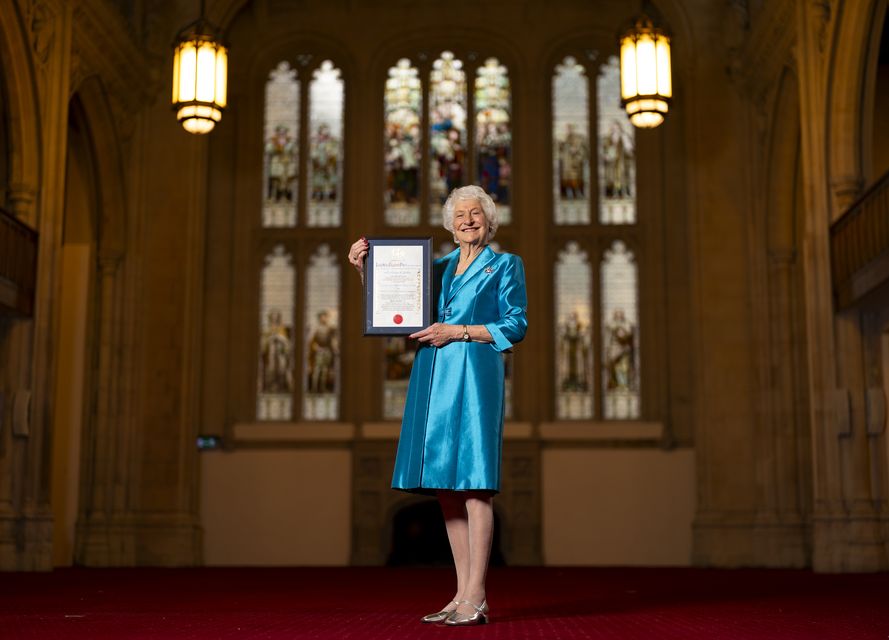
x,y
426,288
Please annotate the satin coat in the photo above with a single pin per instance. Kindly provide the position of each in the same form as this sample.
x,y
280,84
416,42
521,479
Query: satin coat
x,y
452,429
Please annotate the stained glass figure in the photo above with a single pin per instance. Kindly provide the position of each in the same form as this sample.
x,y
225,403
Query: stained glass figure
x,y
281,146
493,134
402,102
447,136
325,173
400,354
571,143
620,333
617,151
322,352
274,393
574,353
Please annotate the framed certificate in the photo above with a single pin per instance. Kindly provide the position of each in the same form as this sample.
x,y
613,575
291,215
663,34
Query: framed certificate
x,y
397,286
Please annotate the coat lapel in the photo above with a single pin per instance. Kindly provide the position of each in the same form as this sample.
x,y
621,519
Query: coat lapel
x,y
482,260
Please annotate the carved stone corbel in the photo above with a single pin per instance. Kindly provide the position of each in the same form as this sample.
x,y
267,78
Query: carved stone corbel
x,y
39,17
22,199
844,192
821,14
842,412
876,411
736,33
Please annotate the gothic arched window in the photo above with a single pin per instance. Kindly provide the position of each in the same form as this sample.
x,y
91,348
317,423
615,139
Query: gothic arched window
x,y
277,310
447,122
574,334
325,166
281,147
596,297
468,135
493,134
619,309
571,143
403,135
299,363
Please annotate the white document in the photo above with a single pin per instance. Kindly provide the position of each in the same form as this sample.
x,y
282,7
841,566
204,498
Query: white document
x,y
398,286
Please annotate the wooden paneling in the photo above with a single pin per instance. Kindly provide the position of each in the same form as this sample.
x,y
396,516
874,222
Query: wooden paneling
x,y
859,246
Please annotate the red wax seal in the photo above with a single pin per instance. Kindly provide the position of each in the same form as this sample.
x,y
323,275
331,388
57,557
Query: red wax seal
x,y
397,318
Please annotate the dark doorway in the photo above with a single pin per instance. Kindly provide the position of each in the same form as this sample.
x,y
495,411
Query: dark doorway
x,y
419,538
880,134
884,42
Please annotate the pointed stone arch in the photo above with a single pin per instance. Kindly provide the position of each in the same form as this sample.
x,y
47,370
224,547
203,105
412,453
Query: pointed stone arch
x,y
850,99
784,440
112,205
106,452
23,129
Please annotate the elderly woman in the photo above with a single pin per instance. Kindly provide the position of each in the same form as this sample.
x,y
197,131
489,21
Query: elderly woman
x,y
452,430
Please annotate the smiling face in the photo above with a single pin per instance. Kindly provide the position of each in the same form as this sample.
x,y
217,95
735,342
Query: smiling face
x,y
470,224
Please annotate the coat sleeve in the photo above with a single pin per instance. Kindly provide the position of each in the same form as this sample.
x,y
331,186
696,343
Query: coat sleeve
x,y
512,302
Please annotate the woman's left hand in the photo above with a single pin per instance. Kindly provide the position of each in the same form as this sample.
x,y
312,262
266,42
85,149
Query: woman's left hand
x,y
438,334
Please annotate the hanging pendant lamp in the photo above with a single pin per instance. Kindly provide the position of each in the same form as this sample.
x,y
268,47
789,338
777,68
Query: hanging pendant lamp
x,y
646,86
200,70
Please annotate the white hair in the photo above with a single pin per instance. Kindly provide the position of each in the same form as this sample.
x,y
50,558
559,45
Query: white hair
x,y
471,192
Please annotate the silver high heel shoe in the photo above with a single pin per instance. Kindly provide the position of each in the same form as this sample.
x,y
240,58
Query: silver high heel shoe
x,y
460,620
441,615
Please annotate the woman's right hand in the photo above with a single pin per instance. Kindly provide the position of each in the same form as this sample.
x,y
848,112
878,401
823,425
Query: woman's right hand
x,y
357,252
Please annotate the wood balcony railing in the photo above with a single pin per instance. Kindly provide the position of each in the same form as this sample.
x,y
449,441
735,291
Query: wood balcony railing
x,y
18,266
859,246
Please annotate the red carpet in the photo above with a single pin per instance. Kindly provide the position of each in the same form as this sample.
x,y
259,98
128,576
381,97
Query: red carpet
x,y
374,603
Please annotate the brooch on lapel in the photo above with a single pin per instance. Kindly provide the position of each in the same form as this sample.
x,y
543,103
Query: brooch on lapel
x,y
489,270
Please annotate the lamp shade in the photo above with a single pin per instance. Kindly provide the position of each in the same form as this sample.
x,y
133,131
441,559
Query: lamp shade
x,y
646,86
200,76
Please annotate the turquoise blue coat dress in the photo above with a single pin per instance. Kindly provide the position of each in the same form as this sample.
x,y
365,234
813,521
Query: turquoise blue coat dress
x,y
452,429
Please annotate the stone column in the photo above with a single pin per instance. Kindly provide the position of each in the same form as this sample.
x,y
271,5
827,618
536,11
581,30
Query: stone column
x,y
25,444
107,477
845,529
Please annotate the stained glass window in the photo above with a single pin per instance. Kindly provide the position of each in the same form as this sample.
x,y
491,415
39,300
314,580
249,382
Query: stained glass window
x,y
325,169
402,102
617,151
276,314
620,333
322,353
281,137
597,303
299,356
446,111
447,136
574,352
493,134
571,143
